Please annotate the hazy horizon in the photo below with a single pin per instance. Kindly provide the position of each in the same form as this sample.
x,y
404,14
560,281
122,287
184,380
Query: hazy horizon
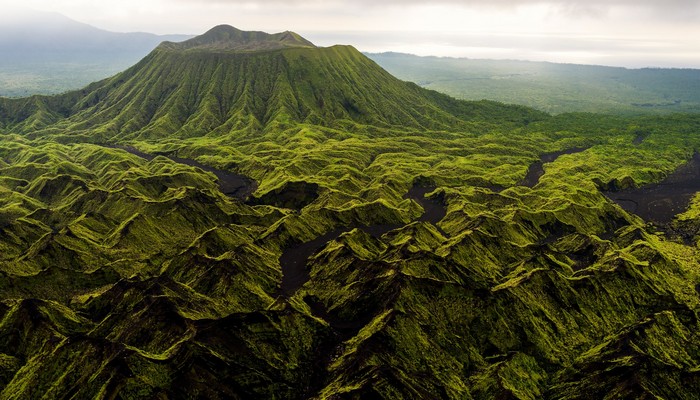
x,y
621,33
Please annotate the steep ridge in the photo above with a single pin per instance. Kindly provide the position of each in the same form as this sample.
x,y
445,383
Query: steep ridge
x,y
131,277
228,80
228,38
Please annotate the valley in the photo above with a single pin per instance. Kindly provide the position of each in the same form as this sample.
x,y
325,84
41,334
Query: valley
x,y
661,202
552,87
536,169
247,215
294,260
230,184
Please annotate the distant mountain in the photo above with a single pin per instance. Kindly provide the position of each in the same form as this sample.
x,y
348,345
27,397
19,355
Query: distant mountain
x,y
228,79
50,53
226,37
554,88
397,243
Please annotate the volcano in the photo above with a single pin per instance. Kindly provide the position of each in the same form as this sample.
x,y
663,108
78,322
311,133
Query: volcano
x,y
246,215
227,80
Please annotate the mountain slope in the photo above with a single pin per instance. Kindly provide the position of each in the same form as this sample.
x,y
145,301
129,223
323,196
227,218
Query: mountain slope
x,y
554,88
252,81
391,246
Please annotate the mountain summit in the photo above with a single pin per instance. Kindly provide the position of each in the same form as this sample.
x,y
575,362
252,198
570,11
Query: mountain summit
x,y
387,251
228,80
228,38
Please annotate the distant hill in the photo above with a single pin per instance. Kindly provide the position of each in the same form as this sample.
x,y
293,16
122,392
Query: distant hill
x,y
50,53
228,38
228,79
397,243
554,88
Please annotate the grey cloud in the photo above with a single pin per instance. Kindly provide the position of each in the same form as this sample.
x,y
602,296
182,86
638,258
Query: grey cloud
x,y
675,9
530,43
664,4
606,51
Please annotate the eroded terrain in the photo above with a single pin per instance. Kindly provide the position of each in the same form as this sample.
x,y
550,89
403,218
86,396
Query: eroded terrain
x,y
282,244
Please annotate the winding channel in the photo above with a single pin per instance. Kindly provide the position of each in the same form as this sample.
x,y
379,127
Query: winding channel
x,y
294,259
657,203
231,184
660,202
536,170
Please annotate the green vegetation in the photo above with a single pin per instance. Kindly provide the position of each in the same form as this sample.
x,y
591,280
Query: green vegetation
x,y
48,53
29,79
228,38
554,88
130,278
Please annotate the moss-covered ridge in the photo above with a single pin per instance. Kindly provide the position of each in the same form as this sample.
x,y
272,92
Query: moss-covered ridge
x,y
524,285
228,38
131,277
191,90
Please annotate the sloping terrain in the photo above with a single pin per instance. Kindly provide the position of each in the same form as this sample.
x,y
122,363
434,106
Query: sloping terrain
x,y
45,52
551,87
210,86
127,270
228,38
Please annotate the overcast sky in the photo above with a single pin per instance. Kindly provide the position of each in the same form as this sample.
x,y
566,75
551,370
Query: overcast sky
x,y
632,33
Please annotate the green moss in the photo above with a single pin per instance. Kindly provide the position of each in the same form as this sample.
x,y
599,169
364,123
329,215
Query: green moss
x,y
122,276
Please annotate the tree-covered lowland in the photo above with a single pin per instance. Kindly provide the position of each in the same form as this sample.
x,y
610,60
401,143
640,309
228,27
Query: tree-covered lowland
x,y
550,87
48,53
245,215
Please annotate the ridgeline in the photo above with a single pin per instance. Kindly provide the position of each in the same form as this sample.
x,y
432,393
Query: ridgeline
x,y
438,266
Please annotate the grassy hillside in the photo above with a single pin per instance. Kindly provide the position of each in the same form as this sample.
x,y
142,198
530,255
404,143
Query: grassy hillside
x,y
126,276
554,88
181,93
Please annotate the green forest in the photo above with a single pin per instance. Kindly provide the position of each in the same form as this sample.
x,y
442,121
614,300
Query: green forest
x,y
247,215
554,88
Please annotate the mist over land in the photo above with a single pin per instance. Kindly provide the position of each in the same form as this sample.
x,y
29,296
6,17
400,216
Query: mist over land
x,y
246,214
632,34
551,87
48,53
